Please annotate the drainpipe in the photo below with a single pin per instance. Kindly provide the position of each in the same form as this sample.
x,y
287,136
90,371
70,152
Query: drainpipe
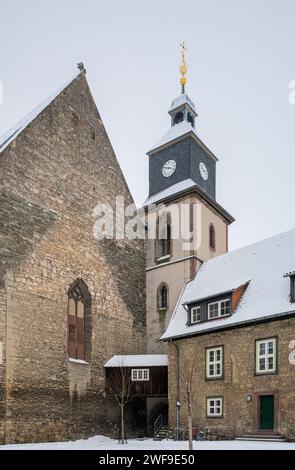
x,y
177,389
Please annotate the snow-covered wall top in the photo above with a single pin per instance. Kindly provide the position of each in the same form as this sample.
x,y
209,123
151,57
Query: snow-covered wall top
x,y
138,360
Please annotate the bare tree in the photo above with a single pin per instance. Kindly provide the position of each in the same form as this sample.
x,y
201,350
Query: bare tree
x,y
188,387
120,386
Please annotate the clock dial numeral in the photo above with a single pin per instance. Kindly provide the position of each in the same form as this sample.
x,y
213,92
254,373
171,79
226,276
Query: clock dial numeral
x,y
203,171
169,168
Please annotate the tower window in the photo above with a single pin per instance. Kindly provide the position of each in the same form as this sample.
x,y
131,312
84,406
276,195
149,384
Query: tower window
x,y
163,236
162,296
93,135
190,119
165,243
212,237
178,117
79,322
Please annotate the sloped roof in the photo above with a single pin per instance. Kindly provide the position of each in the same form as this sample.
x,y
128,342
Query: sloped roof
x,y
138,360
12,133
180,101
262,264
171,191
182,187
175,132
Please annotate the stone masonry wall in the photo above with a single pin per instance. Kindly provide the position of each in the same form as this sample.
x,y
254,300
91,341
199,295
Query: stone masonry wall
x,y
239,379
51,179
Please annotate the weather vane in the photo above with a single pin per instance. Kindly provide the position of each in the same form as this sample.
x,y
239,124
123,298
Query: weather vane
x,y
183,67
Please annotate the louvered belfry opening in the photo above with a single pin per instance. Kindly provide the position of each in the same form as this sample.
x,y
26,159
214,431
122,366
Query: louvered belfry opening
x,y
79,321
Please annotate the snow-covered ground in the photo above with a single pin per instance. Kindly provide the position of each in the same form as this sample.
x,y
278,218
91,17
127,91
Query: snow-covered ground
x,y
105,443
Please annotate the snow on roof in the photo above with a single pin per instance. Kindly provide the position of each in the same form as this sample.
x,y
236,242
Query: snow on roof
x,y
180,101
138,360
262,264
172,190
176,131
12,133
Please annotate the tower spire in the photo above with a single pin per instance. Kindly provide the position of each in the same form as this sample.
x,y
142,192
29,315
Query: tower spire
x,y
183,67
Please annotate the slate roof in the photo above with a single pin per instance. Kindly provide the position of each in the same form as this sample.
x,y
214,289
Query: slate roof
x,y
180,101
263,265
175,132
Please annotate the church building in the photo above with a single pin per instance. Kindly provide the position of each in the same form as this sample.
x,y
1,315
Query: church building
x,y
68,301
74,309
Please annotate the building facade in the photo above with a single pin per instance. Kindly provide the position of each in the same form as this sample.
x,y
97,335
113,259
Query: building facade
x,y
65,307
234,326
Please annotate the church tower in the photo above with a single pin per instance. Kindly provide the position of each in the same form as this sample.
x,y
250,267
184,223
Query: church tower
x,y
181,202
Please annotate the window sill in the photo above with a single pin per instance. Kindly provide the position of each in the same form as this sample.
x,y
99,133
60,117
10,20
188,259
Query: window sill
x,y
214,416
208,379
140,380
78,361
272,372
163,258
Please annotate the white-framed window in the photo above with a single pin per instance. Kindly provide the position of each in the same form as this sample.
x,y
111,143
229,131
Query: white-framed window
x,y
140,375
214,363
266,356
195,314
219,309
215,407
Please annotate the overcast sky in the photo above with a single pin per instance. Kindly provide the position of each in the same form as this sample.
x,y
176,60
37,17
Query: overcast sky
x,y
241,58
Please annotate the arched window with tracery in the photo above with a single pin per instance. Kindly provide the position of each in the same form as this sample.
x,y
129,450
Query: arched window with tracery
x,y
162,296
212,237
79,321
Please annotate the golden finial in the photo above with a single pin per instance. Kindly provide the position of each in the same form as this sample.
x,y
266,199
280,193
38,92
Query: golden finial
x,y
183,67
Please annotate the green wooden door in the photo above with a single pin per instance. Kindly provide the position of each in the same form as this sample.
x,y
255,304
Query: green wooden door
x,y
267,412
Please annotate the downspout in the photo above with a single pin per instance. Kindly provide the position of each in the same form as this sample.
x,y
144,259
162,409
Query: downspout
x,y
177,404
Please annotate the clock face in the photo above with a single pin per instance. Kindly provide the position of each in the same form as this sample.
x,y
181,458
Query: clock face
x,y
203,171
169,168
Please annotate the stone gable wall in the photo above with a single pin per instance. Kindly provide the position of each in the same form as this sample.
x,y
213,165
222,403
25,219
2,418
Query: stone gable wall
x,y
51,179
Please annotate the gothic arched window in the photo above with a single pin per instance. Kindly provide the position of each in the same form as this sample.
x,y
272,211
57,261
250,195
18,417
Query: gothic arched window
x,y
79,321
178,117
212,236
162,296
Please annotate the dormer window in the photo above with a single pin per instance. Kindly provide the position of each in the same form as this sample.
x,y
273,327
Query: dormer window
x,y
195,314
218,309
